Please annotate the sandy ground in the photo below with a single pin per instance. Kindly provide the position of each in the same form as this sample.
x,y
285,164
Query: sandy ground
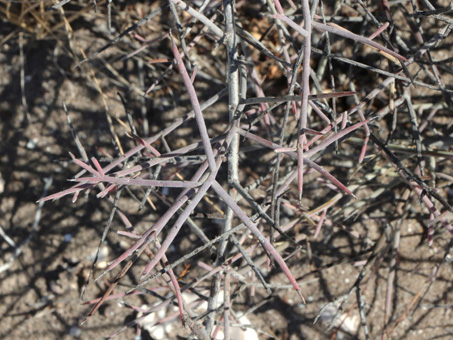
x,y
40,290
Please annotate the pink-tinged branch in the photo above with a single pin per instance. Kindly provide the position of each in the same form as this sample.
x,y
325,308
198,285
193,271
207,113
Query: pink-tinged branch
x,y
196,106
138,182
83,165
163,220
174,230
327,175
292,24
353,36
325,143
432,208
379,31
147,146
279,7
177,289
73,190
308,153
97,166
263,240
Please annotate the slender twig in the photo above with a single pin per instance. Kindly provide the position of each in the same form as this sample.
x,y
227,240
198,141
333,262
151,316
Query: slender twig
x,y
20,247
266,244
196,107
124,33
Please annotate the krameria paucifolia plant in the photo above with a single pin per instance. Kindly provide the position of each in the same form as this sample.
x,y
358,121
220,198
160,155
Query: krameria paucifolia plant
x,y
295,132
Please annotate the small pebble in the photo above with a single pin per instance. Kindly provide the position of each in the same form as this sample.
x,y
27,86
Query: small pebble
x,y
75,331
103,253
102,265
31,144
